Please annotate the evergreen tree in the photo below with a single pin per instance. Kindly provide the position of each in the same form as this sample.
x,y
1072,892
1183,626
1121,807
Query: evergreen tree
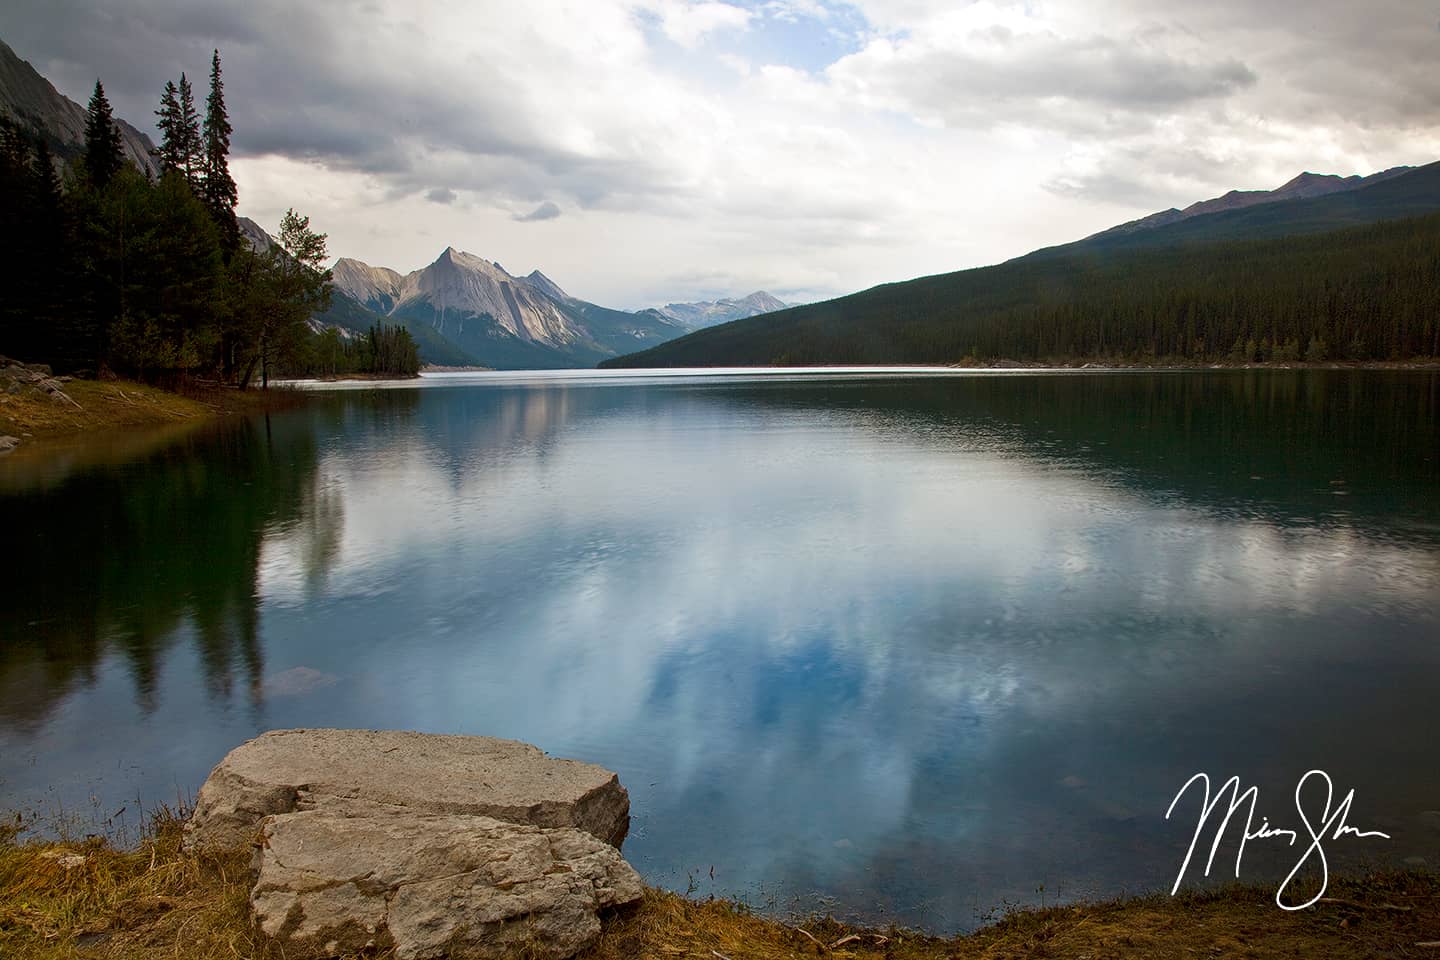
x,y
191,146
275,292
171,152
103,154
48,179
219,190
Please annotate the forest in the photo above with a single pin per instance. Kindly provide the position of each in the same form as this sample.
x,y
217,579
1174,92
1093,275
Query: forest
x,y
108,268
1364,293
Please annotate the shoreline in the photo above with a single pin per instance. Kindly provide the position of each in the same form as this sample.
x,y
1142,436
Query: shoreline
x,y
345,377
88,898
1165,365
32,418
36,419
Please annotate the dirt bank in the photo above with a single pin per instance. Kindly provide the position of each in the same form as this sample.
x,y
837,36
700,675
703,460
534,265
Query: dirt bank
x,y
88,900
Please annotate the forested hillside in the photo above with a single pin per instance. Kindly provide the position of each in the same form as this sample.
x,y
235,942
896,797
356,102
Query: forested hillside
x,y
1348,276
1363,293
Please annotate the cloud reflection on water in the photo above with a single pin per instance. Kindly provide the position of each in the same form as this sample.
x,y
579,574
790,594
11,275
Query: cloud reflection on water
x,y
919,646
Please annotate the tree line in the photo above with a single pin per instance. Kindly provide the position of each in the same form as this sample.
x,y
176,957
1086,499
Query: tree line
x,y
1359,294
111,268
384,349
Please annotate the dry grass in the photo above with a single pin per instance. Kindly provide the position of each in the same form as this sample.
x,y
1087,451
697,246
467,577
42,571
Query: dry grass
x,y
98,405
107,405
157,902
1231,923
89,900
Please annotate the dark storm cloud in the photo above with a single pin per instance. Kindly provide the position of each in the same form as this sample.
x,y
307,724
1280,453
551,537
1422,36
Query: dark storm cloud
x,y
546,211
1366,65
314,81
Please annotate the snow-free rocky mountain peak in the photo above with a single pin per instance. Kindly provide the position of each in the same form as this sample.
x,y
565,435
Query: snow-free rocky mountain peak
x,y
498,319
33,102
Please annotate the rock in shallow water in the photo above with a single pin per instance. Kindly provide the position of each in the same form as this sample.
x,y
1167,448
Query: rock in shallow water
x,y
363,771
434,886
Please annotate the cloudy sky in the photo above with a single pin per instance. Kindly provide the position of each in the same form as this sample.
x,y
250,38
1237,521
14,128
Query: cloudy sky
x,y
642,151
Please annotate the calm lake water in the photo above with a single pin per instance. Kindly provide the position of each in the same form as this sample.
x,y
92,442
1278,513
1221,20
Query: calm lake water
x,y
905,648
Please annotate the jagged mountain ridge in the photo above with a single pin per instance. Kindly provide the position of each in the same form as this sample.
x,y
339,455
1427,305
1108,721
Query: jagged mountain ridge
x,y
709,313
498,319
1302,187
351,318
34,103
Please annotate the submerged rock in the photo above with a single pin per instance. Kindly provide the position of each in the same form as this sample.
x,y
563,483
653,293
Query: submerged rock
x,y
367,771
433,885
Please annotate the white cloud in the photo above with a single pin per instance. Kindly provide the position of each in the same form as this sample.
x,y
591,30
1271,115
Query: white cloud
x,y
688,23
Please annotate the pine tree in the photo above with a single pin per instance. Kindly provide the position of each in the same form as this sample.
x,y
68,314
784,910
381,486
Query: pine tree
x,y
192,148
103,156
171,152
219,190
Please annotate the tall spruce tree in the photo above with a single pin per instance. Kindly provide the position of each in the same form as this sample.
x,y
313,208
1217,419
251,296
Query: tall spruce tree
x,y
192,148
219,189
171,152
103,155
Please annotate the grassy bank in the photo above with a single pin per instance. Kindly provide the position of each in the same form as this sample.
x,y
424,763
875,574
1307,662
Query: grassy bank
x,y
100,405
88,900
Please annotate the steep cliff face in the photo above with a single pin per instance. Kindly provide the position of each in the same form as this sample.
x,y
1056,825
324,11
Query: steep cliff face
x,y
34,103
378,288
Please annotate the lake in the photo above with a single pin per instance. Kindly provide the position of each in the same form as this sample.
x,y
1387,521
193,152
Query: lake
x,y
905,647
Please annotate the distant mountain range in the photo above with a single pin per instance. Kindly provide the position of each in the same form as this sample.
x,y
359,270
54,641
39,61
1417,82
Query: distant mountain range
x,y
490,317
31,100
697,316
1288,272
500,320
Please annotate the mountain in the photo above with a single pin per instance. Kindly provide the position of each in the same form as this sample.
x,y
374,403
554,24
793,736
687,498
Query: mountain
x,y
709,313
496,319
1353,270
1302,187
1315,204
31,100
254,234
353,318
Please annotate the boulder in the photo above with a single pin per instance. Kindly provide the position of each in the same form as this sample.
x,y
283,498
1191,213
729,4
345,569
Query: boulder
x,y
360,771
454,886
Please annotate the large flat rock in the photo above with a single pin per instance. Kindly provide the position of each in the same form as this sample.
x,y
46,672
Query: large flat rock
x,y
430,886
423,774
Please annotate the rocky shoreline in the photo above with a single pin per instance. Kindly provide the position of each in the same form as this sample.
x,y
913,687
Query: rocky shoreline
x,y
29,382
